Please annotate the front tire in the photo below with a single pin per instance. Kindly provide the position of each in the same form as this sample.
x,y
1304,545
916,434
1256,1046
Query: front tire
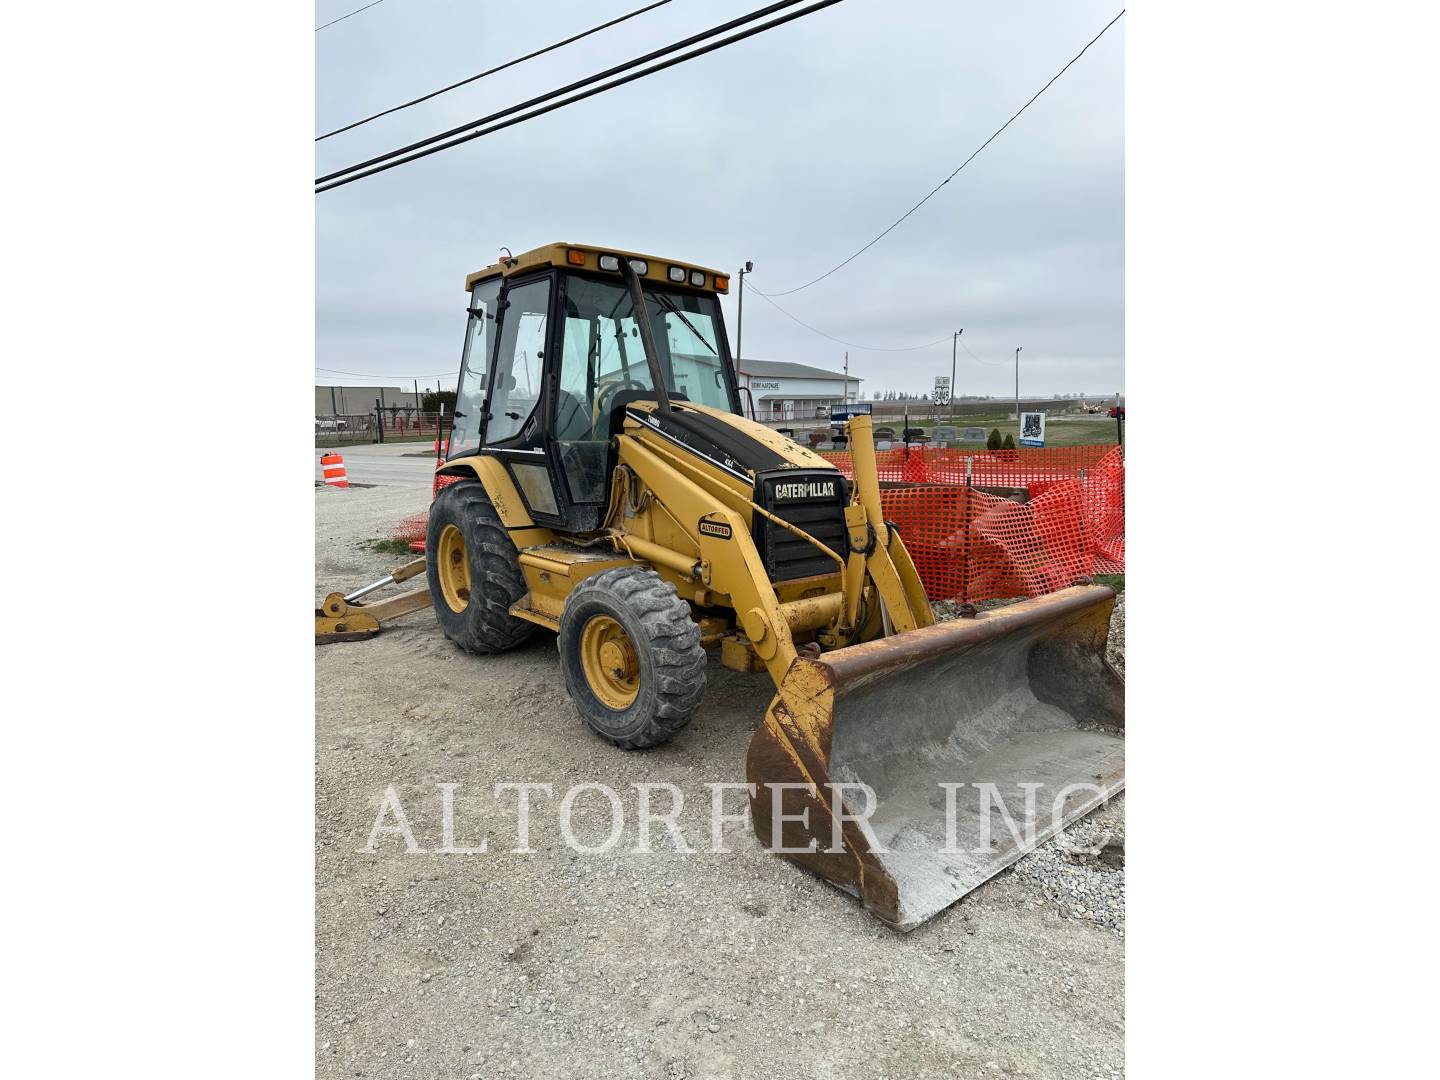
x,y
473,570
633,663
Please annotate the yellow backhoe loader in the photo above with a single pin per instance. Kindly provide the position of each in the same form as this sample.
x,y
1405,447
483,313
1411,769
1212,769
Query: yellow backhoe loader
x,y
612,491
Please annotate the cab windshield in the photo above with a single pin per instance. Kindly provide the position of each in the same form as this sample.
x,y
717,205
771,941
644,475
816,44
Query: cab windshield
x,y
603,355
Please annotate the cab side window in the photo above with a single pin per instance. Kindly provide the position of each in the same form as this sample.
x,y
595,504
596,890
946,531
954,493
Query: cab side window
x,y
520,360
474,362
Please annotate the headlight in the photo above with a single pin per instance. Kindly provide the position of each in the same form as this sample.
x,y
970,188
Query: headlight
x,y
609,262
697,278
640,266
677,273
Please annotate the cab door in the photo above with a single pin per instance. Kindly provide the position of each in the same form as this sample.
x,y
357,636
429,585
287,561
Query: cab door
x,y
502,402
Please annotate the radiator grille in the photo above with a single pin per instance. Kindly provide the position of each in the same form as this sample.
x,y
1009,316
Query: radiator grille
x,y
812,501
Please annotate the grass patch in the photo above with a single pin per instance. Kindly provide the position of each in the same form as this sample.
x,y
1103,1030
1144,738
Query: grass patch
x,y
388,546
1071,431
1115,581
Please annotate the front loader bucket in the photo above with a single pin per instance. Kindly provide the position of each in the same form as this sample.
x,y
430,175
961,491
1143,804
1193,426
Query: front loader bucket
x,y
980,739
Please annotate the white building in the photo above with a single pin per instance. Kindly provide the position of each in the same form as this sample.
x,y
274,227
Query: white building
x,y
786,391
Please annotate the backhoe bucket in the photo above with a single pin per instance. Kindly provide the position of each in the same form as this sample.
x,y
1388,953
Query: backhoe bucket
x,y
979,738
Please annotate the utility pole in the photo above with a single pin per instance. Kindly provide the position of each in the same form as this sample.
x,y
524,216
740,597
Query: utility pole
x,y
954,343
1017,383
740,317
847,378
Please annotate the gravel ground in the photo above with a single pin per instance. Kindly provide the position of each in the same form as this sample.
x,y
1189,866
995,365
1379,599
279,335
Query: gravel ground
x,y
1115,647
557,964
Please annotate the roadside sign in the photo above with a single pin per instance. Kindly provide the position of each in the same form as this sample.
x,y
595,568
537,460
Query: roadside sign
x,y
1032,429
840,413
941,396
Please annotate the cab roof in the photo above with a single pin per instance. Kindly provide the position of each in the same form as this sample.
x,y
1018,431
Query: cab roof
x,y
587,257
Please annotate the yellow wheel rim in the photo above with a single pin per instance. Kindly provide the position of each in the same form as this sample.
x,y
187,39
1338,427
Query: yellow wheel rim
x,y
452,567
612,667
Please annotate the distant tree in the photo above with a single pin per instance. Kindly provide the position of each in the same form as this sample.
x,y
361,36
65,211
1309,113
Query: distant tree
x,y
994,442
1009,443
430,401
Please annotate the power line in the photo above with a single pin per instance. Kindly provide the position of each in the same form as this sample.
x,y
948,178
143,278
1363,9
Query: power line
x,y
425,147
375,375
987,363
342,18
967,161
493,70
549,96
852,344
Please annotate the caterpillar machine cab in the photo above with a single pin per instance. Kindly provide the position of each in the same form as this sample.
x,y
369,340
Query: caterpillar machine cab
x,y
610,490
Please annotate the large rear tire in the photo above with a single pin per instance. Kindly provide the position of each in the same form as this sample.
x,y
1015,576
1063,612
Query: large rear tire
x,y
632,657
474,571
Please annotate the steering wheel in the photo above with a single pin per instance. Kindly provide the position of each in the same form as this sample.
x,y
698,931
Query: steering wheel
x,y
605,396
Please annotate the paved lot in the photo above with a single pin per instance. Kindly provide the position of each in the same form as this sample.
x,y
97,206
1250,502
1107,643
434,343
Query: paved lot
x,y
557,964
385,464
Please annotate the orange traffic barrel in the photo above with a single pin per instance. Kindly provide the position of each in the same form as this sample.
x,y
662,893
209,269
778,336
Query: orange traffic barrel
x,y
333,466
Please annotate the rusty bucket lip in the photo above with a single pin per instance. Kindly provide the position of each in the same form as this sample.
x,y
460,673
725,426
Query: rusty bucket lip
x,y
884,655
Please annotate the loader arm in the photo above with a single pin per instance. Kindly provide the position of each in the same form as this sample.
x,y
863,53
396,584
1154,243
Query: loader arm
x,y
887,564
716,515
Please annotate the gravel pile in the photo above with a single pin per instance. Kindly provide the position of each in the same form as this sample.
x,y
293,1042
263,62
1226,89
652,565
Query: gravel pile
x,y
945,610
1082,870
1115,647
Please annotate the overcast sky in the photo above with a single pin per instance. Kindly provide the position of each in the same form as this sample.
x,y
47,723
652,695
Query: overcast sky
x,y
791,149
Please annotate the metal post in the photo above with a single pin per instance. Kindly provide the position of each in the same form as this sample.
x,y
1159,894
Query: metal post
x,y
380,418
1017,386
954,343
965,517
740,317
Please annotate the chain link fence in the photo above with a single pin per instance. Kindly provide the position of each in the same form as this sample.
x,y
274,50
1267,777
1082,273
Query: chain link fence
x,y
385,425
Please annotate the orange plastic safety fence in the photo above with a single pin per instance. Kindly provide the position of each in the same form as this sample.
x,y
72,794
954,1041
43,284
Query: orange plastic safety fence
x,y
1050,516
412,528
983,468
